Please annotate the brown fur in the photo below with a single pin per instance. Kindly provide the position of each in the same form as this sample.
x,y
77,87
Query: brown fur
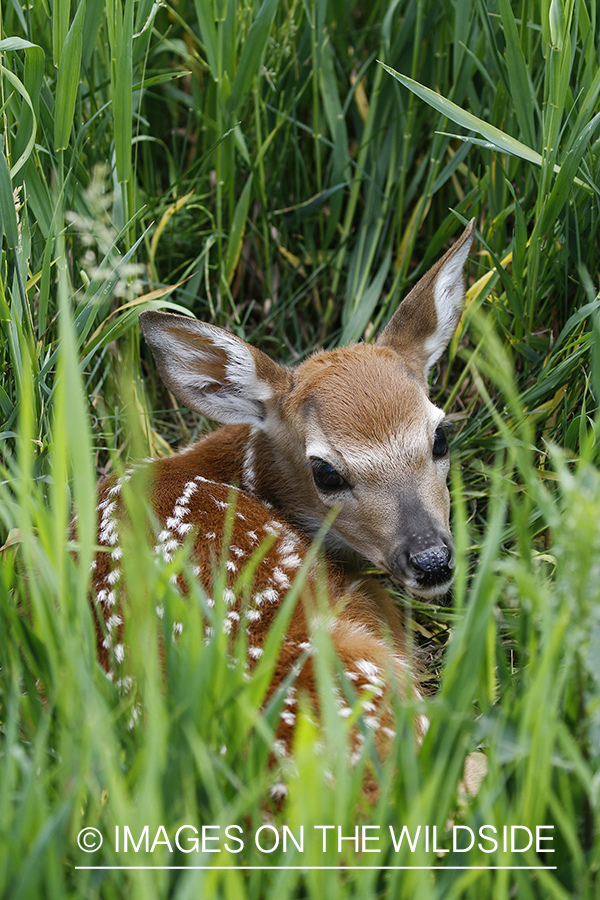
x,y
363,630
363,410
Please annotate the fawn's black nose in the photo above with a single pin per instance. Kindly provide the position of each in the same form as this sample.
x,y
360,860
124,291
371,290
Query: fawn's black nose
x,y
432,566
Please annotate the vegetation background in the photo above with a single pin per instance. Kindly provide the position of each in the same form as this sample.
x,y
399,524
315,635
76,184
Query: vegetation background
x,y
258,165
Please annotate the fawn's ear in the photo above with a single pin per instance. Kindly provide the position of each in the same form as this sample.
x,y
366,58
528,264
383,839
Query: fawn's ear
x,y
423,324
212,371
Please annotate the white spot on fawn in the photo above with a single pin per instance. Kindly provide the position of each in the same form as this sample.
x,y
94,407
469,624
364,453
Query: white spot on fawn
x,y
280,578
253,615
113,576
374,687
228,596
273,527
368,668
124,684
106,597
135,717
278,790
113,622
185,528
293,561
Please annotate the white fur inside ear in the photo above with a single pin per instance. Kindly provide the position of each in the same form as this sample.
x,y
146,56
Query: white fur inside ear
x,y
449,295
211,371
242,393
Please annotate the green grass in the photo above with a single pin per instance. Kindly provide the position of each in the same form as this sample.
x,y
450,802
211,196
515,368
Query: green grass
x,y
287,170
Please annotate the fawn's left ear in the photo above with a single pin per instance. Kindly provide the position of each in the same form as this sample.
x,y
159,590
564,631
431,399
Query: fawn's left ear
x,y
423,324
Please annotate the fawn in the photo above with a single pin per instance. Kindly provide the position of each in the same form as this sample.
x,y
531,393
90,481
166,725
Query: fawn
x,y
351,429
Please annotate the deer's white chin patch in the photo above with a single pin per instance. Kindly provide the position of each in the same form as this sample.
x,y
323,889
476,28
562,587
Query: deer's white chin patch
x,y
428,593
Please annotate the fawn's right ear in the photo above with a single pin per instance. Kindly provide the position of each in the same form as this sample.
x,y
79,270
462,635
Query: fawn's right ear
x,y
423,324
212,371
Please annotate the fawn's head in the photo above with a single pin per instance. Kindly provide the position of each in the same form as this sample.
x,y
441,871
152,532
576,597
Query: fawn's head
x,y
351,428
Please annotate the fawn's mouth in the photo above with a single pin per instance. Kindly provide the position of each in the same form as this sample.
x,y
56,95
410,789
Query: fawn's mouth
x,y
438,593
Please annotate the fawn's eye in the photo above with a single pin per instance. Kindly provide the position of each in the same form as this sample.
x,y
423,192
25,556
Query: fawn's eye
x,y
440,443
326,477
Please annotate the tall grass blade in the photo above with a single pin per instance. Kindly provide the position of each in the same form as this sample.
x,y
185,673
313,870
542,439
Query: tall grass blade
x,y
236,235
30,120
8,213
61,14
562,188
493,135
67,83
522,92
34,73
122,92
252,52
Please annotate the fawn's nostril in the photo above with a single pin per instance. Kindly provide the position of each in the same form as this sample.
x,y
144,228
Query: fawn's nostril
x,y
432,566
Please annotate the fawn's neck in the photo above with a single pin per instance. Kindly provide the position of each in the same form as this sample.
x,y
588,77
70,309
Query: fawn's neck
x,y
219,457
234,454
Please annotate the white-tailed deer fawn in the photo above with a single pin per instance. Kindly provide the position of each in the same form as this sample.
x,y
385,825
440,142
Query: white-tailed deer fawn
x,y
351,428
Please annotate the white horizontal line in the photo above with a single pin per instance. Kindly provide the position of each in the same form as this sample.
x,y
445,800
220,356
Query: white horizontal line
x,y
323,868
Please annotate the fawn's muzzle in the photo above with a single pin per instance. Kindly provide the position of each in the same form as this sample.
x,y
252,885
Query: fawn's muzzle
x,y
432,567
424,564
